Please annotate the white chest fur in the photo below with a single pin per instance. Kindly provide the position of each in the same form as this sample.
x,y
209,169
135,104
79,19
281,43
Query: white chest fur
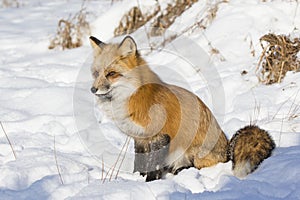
x,y
116,109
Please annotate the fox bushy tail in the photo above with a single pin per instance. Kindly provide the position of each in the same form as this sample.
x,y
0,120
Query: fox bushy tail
x,y
247,148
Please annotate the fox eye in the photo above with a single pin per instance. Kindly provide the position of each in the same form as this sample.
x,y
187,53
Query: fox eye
x,y
111,74
95,74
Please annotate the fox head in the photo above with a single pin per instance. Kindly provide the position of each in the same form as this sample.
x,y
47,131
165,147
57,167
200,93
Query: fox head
x,y
113,67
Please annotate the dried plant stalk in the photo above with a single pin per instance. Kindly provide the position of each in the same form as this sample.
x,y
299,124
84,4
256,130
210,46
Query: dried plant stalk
x,y
7,138
71,31
10,3
133,20
278,57
56,162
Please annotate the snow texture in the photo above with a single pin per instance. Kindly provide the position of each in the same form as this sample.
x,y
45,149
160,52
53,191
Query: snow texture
x,y
45,102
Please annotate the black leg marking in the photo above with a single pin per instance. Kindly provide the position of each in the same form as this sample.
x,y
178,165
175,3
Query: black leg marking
x,y
154,175
180,169
151,155
140,159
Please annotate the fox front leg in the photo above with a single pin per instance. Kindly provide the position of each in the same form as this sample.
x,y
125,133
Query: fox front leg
x,y
142,149
151,155
159,148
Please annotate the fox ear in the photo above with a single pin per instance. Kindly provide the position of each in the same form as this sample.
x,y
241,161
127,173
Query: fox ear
x,y
96,44
128,46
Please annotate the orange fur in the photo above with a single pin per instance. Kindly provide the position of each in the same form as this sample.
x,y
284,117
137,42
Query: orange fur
x,y
148,95
160,116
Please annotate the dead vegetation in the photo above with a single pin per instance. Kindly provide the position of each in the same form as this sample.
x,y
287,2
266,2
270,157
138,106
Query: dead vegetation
x,y
159,19
133,20
71,31
166,18
11,4
278,57
56,162
8,140
113,168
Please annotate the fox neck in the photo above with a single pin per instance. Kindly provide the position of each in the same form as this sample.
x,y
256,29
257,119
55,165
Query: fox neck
x,y
138,75
145,76
117,108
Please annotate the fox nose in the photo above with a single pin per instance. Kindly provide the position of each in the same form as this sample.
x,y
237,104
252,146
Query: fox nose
x,y
94,90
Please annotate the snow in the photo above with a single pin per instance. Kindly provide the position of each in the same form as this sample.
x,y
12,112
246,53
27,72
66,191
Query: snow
x,y
45,101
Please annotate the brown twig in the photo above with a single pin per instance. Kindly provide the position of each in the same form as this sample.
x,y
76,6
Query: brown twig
x,y
278,57
114,166
112,169
10,144
127,145
71,31
102,171
55,157
294,109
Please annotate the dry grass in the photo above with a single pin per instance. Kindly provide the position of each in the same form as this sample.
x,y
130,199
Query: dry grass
x,y
124,155
255,115
11,4
102,170
71,31
278,57
56,162
133,20
168,16
207,18
200,25
8,140
248,38
160,19
112,169
294,111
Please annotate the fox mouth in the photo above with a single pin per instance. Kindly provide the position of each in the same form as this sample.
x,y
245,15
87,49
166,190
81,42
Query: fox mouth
x,y
105,96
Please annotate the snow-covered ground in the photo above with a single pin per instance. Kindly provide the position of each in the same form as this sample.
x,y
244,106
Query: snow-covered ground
x,y
51,119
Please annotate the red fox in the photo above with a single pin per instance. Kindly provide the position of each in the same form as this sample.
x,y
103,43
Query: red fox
x,y
171,127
